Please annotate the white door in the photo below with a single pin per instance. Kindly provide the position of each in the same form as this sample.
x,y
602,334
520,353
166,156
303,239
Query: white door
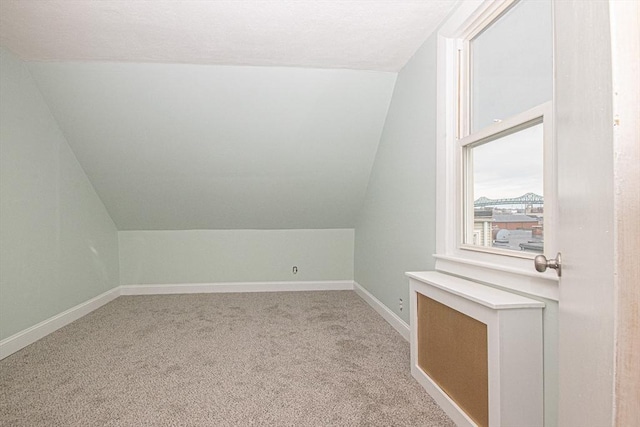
x,y
587,233
581,217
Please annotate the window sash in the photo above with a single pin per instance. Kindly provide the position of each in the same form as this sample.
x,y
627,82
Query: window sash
x,y
536,115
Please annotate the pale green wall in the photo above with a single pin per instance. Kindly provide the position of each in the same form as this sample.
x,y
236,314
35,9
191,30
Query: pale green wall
x,y
395,231
210,256
58,245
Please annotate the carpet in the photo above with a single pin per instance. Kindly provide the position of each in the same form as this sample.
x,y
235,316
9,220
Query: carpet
x,y
244,359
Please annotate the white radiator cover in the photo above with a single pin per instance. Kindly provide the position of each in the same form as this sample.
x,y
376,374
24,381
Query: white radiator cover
x,y
515,347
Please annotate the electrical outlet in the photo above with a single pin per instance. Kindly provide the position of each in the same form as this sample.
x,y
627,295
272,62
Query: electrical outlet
x,y
294,270
400,304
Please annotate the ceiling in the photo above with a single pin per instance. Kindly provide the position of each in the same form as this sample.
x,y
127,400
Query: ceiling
x,y
357,34
221,114
175,146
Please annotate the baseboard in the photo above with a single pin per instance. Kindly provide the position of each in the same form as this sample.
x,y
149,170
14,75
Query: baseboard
x,y
203,288
30,335
394,320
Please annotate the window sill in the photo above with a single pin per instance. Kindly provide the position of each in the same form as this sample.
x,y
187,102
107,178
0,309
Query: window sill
x,y
544,285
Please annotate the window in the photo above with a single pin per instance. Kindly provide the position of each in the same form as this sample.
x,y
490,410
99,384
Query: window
x,y
505,70
496,176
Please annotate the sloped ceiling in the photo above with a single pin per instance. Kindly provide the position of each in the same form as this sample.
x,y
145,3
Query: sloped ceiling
x,y
178,123
221,147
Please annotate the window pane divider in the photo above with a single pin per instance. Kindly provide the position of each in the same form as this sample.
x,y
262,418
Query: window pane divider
x,y
513,124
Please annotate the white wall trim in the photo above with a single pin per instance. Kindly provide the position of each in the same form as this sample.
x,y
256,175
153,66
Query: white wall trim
x,y
206,288
18,341
394,320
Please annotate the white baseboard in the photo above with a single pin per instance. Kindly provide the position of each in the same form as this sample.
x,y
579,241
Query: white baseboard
x,y
394,320
203,288
30,335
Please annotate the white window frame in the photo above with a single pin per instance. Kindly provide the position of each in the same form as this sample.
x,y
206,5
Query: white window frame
x,y
508,269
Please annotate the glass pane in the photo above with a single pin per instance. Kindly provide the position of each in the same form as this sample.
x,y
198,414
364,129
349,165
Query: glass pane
x,y
511,63
508,207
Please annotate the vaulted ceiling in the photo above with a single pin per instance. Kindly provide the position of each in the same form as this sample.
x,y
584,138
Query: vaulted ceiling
x,y
184,146
179,123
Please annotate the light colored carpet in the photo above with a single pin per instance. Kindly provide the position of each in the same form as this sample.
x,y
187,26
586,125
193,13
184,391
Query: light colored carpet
x,y
281,359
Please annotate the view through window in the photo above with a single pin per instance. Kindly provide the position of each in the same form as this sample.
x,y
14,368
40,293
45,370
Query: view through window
x,y
508,197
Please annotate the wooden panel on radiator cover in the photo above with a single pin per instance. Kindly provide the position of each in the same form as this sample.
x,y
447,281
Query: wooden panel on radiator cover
x,y
452,350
